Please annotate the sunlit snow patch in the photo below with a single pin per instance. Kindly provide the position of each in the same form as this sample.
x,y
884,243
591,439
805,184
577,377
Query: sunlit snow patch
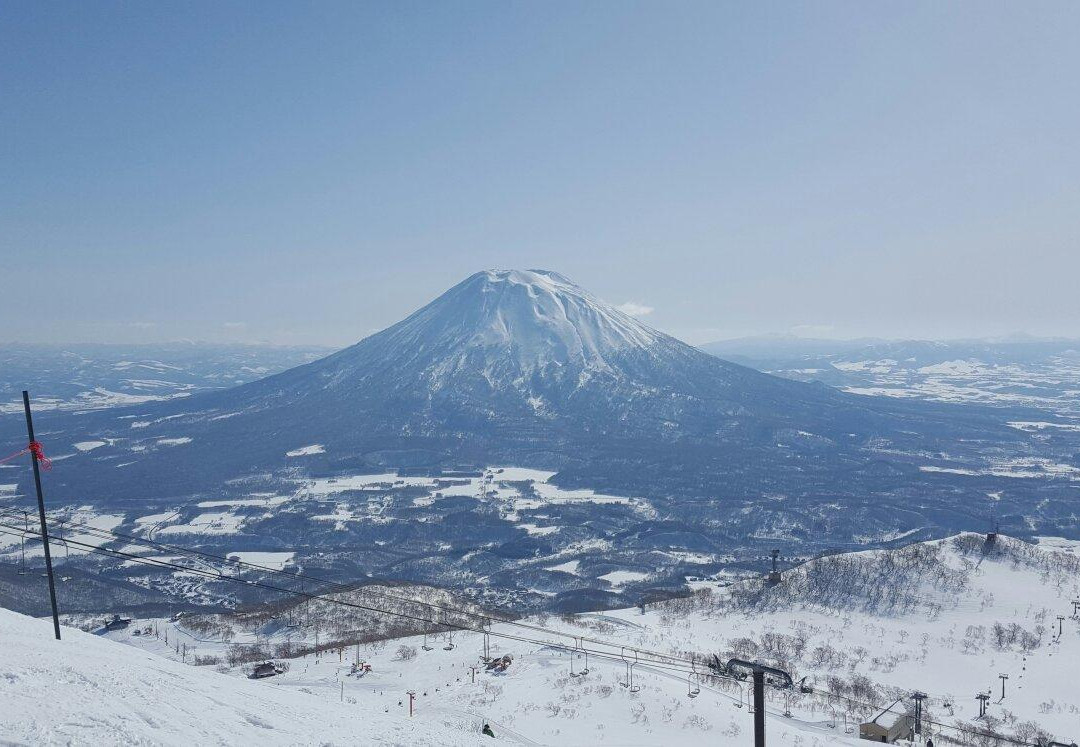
x,y
174,441
209,523
620,578
275,560
306,451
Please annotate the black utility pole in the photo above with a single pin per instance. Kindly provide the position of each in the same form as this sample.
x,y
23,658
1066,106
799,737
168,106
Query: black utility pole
x,y
759,707
41,514
918,697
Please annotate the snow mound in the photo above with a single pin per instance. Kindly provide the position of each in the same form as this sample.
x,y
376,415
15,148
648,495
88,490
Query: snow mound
x,y
86,690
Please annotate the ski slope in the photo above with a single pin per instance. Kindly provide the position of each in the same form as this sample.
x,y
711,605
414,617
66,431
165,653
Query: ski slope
x,y
90,690
944,617
87,690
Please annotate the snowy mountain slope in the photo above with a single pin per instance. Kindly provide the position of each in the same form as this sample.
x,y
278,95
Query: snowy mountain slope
x,y
87,690
944,617
524,368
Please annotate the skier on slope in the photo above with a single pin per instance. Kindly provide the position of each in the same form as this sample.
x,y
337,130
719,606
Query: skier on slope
x,y
487,730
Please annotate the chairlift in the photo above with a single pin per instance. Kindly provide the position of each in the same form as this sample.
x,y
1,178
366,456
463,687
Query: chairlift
x,y
693,680
425,647
633,688
573,654
450,641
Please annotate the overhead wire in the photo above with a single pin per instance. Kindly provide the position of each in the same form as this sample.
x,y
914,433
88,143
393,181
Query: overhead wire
x,y
344,587
666,662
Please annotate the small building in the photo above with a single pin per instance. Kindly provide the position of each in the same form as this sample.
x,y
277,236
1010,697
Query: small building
x,y
499,663
117,623
265,669
892,724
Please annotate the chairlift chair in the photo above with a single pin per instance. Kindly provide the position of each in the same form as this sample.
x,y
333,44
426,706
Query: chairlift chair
x,y
693,682
692,689
450,641
573,654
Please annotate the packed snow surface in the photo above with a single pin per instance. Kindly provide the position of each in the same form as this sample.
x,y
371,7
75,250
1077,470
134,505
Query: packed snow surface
x,y
87,690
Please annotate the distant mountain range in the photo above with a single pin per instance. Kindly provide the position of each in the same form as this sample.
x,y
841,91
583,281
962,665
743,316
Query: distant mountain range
x,y
1042,373
84,376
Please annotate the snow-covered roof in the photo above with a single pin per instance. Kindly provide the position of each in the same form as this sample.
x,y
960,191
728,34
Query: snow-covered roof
x,y
891,716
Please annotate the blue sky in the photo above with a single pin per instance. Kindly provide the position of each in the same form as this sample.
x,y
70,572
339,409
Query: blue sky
x,y
311,172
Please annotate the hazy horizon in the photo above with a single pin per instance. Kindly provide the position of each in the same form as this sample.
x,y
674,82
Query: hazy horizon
x,y
311,174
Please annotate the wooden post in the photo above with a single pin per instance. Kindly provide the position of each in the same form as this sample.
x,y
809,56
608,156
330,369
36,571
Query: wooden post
x,y
41,514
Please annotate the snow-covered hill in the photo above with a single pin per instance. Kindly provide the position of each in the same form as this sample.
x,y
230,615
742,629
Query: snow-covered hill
x,y
944,617
88,690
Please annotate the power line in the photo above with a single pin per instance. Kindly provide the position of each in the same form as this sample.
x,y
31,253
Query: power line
x,y
486,618
668,662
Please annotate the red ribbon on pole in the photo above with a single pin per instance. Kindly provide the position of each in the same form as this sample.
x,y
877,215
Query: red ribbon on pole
x,y
37,450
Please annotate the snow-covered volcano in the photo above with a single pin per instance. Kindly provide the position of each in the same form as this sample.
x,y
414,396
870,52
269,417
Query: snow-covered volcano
x,y
526,368
523,332
534,320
